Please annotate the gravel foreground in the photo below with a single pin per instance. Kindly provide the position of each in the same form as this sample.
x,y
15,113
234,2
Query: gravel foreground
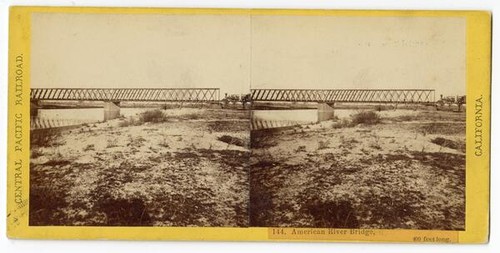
x,y
186,170
404,172
202,167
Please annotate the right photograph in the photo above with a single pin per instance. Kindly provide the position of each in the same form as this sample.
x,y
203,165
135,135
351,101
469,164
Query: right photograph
x,y
358,122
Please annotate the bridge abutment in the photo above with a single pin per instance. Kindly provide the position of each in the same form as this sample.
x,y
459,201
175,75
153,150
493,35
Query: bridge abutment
x,y
34,106
325,111
111,110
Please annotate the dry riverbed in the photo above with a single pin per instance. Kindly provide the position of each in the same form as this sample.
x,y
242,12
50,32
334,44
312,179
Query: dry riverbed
x,y
188,167
404,170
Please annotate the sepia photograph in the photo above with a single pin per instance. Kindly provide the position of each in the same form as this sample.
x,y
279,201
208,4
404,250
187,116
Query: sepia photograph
x,y
138,120
358,122
303,121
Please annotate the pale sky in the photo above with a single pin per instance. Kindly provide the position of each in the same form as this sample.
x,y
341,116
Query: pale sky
x,y
236,52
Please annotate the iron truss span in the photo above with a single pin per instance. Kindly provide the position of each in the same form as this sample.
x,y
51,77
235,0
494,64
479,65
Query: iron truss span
x,y
345,95
127,94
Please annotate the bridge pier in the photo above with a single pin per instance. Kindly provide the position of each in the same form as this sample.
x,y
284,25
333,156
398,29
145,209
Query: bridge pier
x,y
325,111
111,110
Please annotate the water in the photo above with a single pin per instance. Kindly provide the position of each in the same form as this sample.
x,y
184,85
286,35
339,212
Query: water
x,y
262,119
50,118
306,115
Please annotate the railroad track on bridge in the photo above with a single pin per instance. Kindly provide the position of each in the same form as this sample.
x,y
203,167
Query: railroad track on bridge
x,y
418,96
127,94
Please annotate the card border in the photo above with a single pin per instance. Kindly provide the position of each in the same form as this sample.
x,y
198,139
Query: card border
x,y
478,78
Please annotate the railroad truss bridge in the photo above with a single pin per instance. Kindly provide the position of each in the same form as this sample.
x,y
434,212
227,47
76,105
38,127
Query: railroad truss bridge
x,y
113,96
326,98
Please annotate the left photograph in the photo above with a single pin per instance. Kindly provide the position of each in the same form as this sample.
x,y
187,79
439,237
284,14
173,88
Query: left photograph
x,y
139,120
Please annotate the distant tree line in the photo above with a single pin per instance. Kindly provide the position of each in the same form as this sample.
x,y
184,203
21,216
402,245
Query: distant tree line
x,y
449,100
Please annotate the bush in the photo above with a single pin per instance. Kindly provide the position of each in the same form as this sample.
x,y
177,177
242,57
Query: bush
x,y
169,106
323,144
192,116
443,142
164,143
154,116
301,149
342,123
111,144
443,128
129,122
365,117
232,140
89,147
220,126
